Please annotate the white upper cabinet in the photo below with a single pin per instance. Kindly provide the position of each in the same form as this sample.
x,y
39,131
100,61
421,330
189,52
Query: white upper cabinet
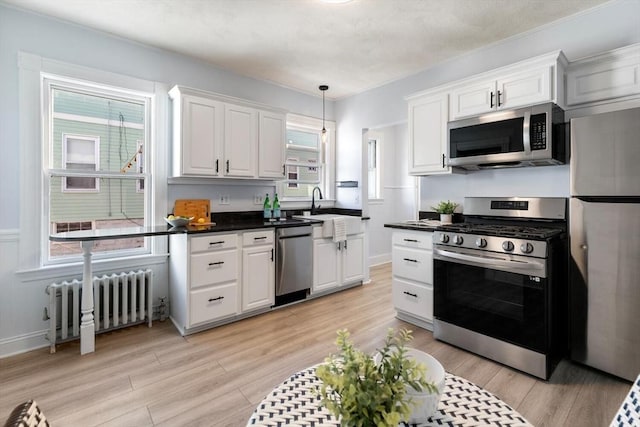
x,y
613,75
428,147
197,135
240,141
272,130
224,137
534,81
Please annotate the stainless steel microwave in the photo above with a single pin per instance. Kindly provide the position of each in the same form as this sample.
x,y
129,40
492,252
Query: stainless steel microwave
x,y
531,136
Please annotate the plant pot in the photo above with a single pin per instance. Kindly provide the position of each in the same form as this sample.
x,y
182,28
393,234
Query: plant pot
x,y
426,404
446,218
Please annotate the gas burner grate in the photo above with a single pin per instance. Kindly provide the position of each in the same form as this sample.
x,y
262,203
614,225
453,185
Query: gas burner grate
x,y
516,231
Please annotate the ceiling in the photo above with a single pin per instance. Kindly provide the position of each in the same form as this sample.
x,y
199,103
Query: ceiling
x,y
300,44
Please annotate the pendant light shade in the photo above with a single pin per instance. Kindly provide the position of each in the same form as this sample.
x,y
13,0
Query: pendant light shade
x,y
323,88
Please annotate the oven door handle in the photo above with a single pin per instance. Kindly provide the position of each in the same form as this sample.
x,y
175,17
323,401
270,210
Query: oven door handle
x,y
520,265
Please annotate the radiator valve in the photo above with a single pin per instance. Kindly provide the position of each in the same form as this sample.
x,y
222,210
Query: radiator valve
x,y
162,309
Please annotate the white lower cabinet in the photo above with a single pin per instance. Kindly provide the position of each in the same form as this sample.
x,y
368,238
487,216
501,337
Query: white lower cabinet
x,y
215,278
412,276
337,264
258,270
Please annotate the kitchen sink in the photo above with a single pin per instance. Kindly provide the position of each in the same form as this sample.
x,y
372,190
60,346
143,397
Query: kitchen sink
x,y
352,223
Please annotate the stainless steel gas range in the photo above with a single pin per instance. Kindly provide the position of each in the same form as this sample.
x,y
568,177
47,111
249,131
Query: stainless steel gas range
x,y
500,282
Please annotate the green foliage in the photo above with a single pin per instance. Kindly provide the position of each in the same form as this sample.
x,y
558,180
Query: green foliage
x,y
447,207
366,393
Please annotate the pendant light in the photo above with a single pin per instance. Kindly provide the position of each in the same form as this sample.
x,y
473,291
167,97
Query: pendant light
x,y
323,88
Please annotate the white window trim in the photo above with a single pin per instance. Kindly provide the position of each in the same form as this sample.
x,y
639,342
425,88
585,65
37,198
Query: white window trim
x,y
33,228
306,123
378,137
96,157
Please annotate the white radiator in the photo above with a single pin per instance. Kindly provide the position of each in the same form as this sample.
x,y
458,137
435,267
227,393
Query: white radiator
x,y
119,300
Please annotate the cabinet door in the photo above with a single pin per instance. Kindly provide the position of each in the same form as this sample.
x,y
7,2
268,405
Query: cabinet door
x,y
353,259
525,88
271,144
473,99
428,149
325,264
258,277
240,141
202,133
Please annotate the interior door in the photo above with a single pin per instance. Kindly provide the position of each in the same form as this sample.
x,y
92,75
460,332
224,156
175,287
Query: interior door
x,y
605,291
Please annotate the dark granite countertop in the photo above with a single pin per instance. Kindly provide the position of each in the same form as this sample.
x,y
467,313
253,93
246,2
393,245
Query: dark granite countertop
x,y
411,225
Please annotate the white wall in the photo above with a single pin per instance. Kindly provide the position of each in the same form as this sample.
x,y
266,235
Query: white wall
x,y
609,26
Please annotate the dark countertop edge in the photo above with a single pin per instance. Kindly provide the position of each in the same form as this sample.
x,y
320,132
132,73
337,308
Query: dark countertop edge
x,y
403,226
241,225
125,233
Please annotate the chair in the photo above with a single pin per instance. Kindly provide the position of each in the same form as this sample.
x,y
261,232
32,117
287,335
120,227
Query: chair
x,y
27,414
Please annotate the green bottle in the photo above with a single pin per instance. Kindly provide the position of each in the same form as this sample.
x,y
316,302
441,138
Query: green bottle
x,y
267,207
276,207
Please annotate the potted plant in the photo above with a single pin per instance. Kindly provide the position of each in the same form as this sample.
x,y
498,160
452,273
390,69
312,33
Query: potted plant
x,y
445,209
364,390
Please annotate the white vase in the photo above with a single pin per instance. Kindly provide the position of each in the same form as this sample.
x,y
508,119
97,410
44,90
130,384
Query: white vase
x,y
426,404
446,218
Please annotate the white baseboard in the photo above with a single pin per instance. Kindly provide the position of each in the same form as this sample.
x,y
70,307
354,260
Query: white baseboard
x,y
23,343
379,259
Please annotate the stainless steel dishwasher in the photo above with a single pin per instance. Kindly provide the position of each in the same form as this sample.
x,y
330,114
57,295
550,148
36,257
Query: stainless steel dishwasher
x,y
294,264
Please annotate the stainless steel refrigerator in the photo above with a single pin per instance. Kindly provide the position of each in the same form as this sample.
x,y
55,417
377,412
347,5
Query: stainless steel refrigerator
x,y
604,214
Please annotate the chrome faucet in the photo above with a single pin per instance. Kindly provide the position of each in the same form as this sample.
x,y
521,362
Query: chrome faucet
x,y
313,200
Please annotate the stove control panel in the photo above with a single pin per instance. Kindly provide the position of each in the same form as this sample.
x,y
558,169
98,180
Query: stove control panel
x,y
533,248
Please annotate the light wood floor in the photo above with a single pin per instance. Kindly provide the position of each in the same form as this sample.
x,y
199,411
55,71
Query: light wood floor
x,y
141,377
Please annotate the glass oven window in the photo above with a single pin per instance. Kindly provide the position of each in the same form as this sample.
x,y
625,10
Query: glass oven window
x,y
507,306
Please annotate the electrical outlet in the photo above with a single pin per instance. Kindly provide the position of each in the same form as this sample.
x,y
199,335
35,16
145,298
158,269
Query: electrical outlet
x,y
224,199
258,199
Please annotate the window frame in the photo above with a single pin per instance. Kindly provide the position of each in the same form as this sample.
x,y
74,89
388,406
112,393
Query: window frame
x,y
326,156
50,82
378,138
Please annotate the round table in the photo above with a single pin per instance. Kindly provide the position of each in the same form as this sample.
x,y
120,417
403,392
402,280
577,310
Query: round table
x,y
296,402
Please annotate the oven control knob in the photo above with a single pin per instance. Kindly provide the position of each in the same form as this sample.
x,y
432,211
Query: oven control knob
x,y
457,239
480,242
526,248
507,245
444,238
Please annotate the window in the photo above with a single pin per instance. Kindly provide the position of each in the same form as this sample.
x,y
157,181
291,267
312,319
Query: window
x,y
95,173
307,158
80,153
374,147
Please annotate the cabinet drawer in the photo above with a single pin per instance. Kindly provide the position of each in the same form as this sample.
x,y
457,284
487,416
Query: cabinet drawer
x,y
213,303
417,239
413,298
212,242
414,264
214,267
262,237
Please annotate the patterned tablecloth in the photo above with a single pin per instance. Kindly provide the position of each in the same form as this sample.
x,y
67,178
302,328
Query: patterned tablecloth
x,y
629,413
296,403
